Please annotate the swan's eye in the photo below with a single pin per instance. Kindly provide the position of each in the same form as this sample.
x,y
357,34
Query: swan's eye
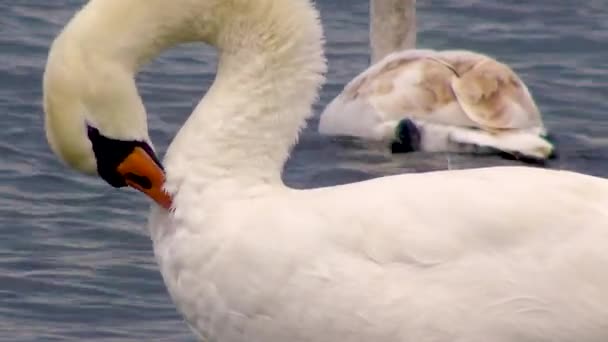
x,y
112,153
129,162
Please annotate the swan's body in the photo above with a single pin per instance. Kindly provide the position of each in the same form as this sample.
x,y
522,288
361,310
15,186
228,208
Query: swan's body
x,y
523,257
455,97
400,258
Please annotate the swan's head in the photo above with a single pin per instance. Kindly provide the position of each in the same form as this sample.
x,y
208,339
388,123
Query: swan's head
x,y
94,118
95,121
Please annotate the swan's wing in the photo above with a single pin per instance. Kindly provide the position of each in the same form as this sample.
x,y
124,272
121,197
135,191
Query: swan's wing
x,y
492,95
407,84
459,91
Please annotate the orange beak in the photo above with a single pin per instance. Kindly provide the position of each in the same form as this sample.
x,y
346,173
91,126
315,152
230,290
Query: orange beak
x,y
141,172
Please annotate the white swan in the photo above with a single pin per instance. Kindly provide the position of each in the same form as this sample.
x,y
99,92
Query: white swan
x,y
523,257
450,100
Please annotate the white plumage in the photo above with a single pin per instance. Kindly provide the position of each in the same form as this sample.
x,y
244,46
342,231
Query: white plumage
x,y
496,254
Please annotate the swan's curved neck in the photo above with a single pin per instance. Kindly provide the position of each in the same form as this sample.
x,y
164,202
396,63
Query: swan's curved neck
x,y
271,65
392,27
270,68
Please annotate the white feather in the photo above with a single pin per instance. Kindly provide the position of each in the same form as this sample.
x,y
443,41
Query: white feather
x,y
500,254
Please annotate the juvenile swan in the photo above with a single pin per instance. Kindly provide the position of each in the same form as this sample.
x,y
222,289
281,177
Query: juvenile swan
x,y
496,254
427,100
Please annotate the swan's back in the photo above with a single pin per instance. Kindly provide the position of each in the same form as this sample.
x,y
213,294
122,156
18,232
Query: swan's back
x,y
507,254
459,88
403,258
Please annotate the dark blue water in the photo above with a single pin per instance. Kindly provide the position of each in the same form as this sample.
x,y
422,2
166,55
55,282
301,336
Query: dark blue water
x,y
75,261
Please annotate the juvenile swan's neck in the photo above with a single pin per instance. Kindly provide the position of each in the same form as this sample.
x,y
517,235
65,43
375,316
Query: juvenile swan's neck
x,y
271,65
392,27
